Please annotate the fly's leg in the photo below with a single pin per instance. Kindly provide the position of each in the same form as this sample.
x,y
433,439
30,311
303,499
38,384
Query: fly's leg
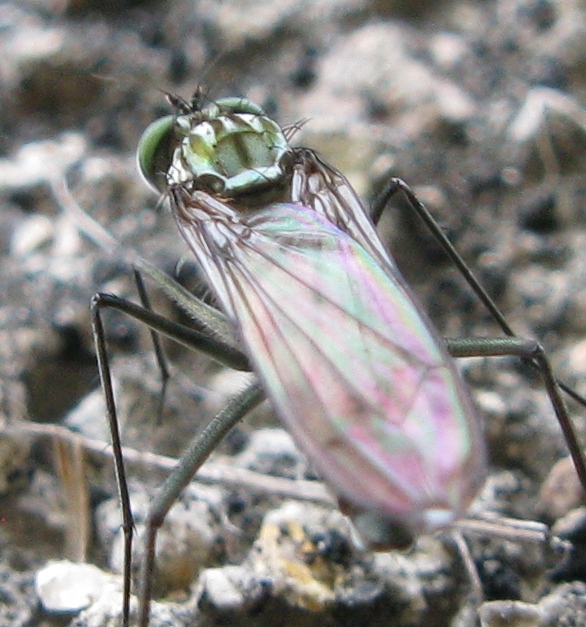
x,y
107,388
529,351
197,452
396,185
532,351
158,347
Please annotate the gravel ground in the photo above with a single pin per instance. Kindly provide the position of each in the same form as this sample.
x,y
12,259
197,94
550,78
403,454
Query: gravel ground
x,y
478,106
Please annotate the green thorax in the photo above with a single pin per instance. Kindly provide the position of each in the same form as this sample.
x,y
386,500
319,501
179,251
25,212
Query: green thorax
x,y
229,148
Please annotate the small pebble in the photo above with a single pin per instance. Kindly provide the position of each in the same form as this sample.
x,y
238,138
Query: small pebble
x,y
66,587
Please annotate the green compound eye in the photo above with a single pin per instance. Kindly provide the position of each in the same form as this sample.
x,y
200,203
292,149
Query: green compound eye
x,y
155,152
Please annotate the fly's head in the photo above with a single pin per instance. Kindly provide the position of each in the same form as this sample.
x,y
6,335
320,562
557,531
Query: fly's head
x,y
229,148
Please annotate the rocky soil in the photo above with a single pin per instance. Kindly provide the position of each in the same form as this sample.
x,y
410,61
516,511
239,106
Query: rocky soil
x,y
478,105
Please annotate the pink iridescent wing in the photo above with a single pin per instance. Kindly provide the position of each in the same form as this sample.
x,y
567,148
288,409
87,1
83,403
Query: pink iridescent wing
x,y
352,366
318,186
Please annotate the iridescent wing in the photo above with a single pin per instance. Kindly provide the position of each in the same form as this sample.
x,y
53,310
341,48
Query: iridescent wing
x,y
353,367
318,186
348,360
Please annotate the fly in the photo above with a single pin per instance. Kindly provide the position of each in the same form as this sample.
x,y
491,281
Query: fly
x,y
351,363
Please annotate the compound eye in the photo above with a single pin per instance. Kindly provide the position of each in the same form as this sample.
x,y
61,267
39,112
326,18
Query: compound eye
x,y
155,152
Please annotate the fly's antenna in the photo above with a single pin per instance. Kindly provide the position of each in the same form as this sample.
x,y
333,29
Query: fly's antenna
x,y
200,95
179,104
292,129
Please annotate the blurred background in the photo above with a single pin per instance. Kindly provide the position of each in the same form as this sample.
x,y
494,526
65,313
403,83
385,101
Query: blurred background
x,y
478,105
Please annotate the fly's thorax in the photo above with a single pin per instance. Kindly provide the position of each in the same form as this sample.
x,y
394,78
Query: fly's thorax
x,y
229,149
237,154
